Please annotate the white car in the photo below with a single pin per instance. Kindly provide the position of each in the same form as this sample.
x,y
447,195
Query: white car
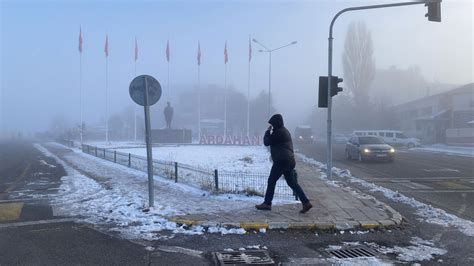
x,y
392,137
340,138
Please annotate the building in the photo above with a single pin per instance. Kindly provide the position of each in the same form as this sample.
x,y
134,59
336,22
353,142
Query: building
x,y
441,118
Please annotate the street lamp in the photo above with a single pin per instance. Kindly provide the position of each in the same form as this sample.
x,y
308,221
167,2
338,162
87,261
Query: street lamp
x,y
269,51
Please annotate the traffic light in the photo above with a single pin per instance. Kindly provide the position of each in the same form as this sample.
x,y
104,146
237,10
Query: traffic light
x,y
434,10
335,89
323,89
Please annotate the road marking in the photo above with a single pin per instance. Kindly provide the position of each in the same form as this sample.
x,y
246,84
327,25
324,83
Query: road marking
x,y
414,185
453,185
438,191
51,221
10,211
441,170
17,200
176,249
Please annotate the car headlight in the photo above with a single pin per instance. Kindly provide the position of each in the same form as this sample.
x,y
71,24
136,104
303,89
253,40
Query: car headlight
x,y
366,150
301,137
312,137
392,150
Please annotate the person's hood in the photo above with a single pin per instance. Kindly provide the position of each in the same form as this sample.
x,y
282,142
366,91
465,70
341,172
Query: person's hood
x,y
276,121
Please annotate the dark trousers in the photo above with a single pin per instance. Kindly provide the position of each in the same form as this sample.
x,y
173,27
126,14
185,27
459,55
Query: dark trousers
x,y
290,177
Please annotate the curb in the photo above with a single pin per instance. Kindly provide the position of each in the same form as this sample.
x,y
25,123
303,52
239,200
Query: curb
x,y
304,226
394,220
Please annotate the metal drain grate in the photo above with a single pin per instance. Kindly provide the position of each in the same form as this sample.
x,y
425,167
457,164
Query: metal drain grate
x,y
248,257
352,253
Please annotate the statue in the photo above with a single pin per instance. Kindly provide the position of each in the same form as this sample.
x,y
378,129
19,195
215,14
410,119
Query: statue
x,y
168,115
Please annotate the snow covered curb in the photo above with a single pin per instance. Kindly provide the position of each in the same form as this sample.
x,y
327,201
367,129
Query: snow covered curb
x,y
448,150
427,212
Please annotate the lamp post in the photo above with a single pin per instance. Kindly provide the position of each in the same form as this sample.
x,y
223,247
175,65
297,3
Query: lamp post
x,y
269,51
434,14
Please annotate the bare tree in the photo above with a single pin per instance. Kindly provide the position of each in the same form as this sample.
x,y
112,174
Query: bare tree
x,y
359,63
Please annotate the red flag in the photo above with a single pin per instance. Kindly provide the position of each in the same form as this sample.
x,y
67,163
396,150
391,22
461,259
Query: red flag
x,y
80,40
250,50
106,48
199,54
136,49
226,57
168,51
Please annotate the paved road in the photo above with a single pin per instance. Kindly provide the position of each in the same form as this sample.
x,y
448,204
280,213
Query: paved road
x,y
445,181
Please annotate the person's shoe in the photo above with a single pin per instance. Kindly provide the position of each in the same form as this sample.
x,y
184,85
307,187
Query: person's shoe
x,y
264,207
306,207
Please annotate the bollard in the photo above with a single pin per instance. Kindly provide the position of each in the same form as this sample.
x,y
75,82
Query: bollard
x,y
129,160
175,172
115,156
104,154
96,152
216,179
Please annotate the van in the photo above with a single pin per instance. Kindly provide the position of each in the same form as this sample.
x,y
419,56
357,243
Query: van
x,y
303,134
393,137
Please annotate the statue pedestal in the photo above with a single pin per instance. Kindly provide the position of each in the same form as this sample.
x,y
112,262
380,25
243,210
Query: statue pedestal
x,y
171,135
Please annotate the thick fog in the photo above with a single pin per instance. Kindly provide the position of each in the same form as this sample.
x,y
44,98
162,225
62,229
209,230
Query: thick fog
x,y
40,59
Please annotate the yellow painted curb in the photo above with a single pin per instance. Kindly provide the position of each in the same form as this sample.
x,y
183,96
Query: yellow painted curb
x,y
254,226
10,211
369,226
185,221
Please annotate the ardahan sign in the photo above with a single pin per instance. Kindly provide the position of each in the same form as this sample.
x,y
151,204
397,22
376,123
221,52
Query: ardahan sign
x,y
230,140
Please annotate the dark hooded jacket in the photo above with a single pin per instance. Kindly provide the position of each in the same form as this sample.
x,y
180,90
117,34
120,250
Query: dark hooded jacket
x,y
281,146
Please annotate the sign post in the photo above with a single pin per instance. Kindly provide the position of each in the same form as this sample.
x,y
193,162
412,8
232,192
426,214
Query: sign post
x,y
146,91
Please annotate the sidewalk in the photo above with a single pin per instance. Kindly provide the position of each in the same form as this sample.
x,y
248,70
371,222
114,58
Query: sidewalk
x,y
333,208
123,191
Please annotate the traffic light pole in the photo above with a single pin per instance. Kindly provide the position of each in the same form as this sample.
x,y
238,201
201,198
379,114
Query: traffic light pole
x,y
329,119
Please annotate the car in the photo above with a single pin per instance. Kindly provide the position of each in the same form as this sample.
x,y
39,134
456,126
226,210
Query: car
x,y
392,137
365,148
304,134
340,138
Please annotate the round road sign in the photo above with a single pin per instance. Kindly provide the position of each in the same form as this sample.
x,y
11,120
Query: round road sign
x,y
137,90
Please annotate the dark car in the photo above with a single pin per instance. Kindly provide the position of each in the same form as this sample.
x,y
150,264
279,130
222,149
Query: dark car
x,y
303,134
365,148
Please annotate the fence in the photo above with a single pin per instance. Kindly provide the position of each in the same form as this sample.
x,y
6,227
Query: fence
x,y
203,178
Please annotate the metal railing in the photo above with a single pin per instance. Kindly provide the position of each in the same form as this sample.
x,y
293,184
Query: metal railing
x,y
203,178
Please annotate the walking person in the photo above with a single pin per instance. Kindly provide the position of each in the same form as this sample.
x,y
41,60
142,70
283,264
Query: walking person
x,y
283,157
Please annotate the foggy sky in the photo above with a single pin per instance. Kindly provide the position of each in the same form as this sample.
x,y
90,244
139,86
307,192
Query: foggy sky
x,y
40,58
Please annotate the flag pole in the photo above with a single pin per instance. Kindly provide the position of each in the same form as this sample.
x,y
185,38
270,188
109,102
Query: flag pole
x,y
135,109
248,90
106,89
199,102
80,95
81,133
225,100
106,99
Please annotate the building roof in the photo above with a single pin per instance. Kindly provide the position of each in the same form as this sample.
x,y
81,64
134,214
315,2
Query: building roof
x,y
468,88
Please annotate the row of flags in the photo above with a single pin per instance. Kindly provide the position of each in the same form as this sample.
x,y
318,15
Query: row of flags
x,y
167,52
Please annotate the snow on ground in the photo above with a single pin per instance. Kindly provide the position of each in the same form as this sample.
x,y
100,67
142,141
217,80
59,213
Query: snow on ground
x,y
122,196
116,144
446,149
427,212
420,250
227,158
